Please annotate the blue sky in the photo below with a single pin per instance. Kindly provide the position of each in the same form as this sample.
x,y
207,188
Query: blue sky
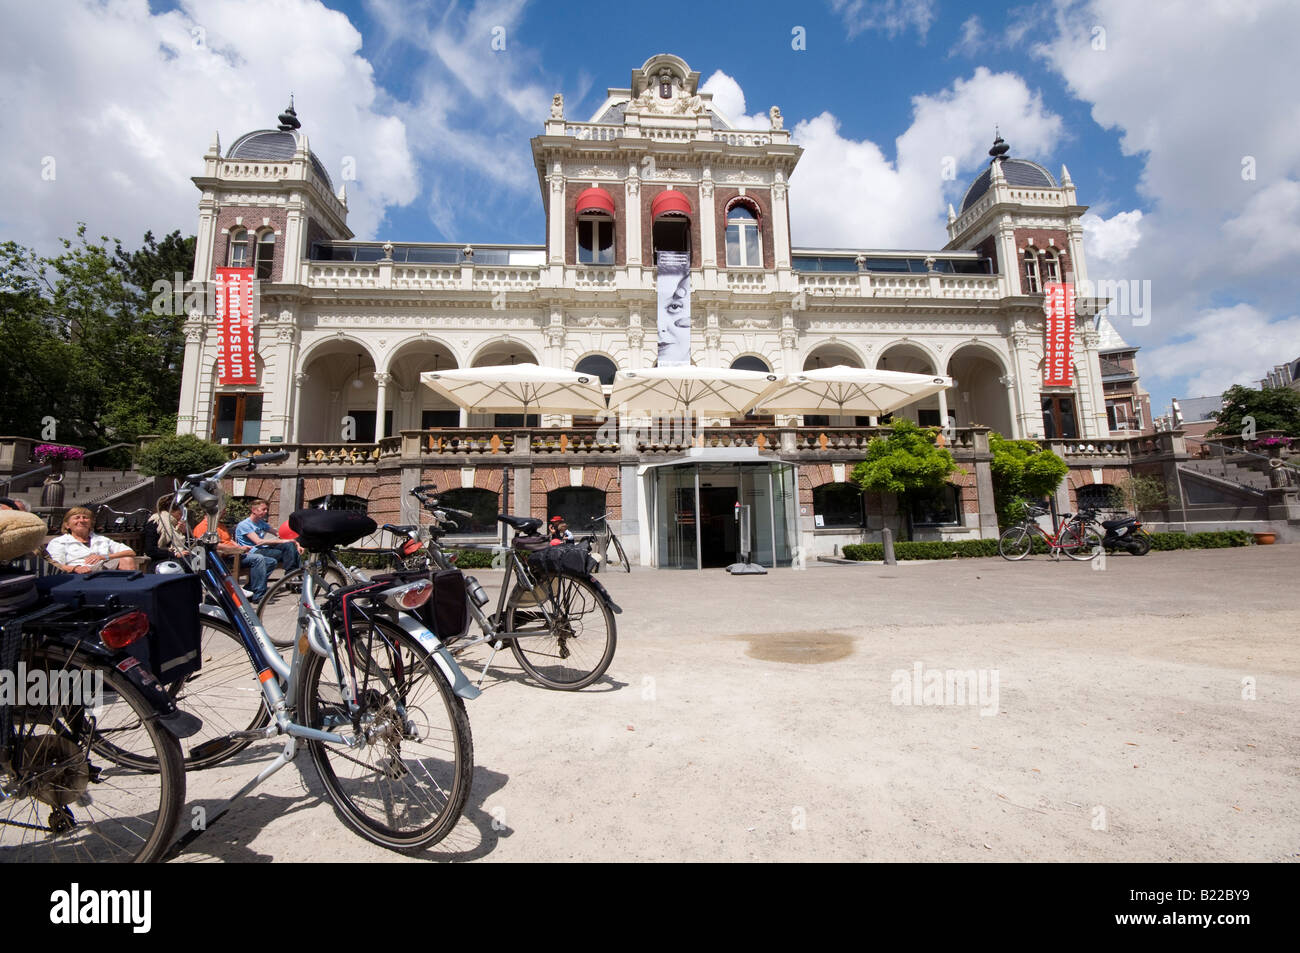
x,y
1178,122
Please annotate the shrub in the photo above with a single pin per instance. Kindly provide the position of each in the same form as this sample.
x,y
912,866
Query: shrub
x,y
1022,470
179,456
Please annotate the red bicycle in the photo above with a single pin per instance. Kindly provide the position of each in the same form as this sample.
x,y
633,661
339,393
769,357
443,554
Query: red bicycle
x,y
1070,535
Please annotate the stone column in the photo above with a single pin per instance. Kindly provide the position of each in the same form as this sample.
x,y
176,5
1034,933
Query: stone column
x,y
708,228
282,410
382,381
295,411
187,421
632,220
780,223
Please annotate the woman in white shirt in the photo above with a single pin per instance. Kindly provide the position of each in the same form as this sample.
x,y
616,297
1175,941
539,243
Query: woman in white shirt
x,y
80,550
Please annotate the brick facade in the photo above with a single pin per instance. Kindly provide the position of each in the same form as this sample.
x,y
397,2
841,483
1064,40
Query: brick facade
x,y
251,218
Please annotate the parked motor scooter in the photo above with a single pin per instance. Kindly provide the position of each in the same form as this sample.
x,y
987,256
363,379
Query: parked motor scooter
x,y
1125,534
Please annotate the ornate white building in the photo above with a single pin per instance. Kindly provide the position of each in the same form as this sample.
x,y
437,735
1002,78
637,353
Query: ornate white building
x,y
345,328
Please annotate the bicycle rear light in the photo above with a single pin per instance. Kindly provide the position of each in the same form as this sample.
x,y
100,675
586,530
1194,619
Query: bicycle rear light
x,y
410,596
124,630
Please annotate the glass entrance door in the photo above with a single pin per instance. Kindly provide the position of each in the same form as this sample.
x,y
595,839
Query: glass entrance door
x,y
695,514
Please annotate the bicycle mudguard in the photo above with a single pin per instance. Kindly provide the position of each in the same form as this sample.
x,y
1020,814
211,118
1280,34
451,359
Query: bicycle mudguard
x,y
596,584
461,685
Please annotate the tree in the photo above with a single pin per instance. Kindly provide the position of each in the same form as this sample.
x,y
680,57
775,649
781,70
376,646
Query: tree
x,y
83,348
1273,408
179,456
905,463
1022,470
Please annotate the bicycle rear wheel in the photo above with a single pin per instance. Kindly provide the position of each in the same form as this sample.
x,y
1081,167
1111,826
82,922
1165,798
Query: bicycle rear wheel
x,y
64,798
1080,542
278,609
224,693
405,784
622,556
577,646
1015,543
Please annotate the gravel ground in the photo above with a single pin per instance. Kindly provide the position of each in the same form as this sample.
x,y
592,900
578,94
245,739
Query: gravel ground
x,y
1145,712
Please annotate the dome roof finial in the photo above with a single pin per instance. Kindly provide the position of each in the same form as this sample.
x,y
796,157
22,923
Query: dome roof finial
x,y
1000,148
289,118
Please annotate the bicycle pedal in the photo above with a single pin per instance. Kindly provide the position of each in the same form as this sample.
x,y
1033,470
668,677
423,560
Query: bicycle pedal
x,y
210,747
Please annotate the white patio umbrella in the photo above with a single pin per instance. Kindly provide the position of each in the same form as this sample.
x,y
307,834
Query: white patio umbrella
x,y
507,388
708,391
843,390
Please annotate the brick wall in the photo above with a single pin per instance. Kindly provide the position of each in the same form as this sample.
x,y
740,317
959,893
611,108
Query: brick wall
x,y
605,479
252,220
648,194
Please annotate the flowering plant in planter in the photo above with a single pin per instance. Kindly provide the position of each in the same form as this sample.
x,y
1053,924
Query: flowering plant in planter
x,y
1268,442
50,452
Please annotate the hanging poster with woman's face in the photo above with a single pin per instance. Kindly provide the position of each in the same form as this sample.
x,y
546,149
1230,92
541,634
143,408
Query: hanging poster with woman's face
x,y
674,286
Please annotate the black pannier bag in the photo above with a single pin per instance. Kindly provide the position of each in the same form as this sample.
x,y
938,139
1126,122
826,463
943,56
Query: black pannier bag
x,y
567,557
171,649
446,614
530,544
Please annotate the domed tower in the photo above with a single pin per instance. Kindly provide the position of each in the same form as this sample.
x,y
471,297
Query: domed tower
x,y
263,205
1027,223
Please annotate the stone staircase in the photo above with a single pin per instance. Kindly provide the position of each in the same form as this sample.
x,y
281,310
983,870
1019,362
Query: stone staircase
x,y
88,487
1226,471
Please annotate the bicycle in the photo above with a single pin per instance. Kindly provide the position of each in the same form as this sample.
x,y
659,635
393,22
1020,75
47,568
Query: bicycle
x,y
1069,535
560,627
92,771
374,699
601,540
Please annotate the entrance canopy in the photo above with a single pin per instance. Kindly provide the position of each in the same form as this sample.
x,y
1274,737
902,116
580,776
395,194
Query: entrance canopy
x,y
851,390
505,389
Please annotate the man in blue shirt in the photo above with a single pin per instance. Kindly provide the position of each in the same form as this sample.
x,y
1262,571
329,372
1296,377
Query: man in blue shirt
x,y
256,532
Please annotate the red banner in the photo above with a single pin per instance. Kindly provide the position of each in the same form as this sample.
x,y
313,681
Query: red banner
x,y
1060,334
235,347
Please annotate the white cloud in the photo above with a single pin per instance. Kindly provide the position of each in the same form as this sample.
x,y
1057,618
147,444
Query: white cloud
x,y
889,16
1111,240
972,38
1221,347
729,98
847,193
125,101
1202,95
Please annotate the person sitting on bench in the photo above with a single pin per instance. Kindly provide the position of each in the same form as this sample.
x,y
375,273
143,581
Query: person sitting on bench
x,y
81,550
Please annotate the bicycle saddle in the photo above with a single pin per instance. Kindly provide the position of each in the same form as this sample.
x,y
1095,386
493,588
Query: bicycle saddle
x,y
319,530
403,530
524,524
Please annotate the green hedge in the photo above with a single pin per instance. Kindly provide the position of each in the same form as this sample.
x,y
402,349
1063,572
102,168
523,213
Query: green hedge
x,y
972,548
1220,540
381,559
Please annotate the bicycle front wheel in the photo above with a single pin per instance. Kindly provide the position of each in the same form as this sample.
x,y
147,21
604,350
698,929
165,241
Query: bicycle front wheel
x,y
404,783
1015,543
278,609
576,647
64,798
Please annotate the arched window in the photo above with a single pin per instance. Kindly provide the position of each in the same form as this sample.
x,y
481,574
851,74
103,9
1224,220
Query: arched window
x,y
579,505
238,257
595,239
265,255
1051,267
1100,496
597,365
1031,285
936,507
483,506
339,501
750,363
838,504
744,245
